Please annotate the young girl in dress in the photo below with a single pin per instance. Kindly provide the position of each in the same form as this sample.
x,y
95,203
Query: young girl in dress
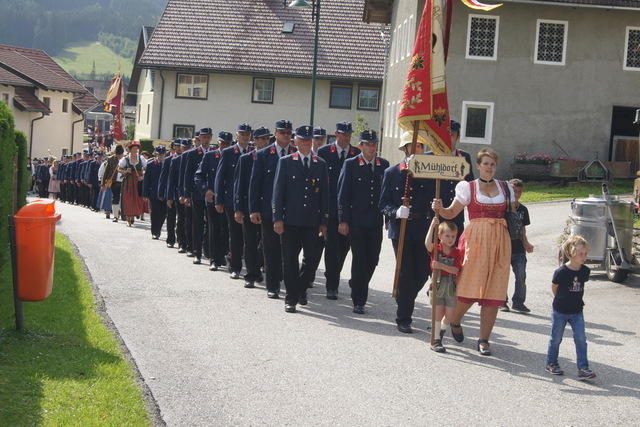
x,y
445,271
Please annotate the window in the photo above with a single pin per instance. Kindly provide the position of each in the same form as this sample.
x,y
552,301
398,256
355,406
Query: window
x,y
139,112
148,112
551,42
192,86
632,49
387,120
368,98
410,38
262,90
340,95
65,105
65,151
394,44
183,131
46,101
477,122
482,37
5,98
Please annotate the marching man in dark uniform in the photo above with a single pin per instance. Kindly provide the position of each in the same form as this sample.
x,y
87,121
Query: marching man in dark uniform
x,y
224,194
174,193
162,193
62,166
336,245
194,197
150,185
300,211
93,182
250,231
217,231
415,267
260,198
359,188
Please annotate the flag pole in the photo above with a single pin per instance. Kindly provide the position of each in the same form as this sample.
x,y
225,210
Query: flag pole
x,y
406,198
435,275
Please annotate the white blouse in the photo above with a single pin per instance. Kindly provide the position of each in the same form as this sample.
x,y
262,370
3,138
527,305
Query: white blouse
x,y
463,194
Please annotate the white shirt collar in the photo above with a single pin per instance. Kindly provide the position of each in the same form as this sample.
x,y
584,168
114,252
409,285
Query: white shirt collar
x,y
279,149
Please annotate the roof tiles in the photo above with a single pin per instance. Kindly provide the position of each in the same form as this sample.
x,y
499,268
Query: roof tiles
x,y
246,36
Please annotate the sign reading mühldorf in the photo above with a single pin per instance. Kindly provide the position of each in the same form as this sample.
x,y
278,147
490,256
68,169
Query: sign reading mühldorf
x,y
451,168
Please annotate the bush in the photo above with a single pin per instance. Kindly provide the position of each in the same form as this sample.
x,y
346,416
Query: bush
x,y
7,156
24,176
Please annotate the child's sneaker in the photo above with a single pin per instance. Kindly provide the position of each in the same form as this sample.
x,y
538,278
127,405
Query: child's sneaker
x,y
521,308
554,369
586,374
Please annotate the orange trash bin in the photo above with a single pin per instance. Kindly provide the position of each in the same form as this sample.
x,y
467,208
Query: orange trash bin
x,y
35,226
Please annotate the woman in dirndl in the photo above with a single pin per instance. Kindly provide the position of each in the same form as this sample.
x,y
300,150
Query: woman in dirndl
x,y
132,169
486,245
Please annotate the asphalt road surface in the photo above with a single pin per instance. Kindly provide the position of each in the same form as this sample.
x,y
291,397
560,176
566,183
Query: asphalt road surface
x,y
214,353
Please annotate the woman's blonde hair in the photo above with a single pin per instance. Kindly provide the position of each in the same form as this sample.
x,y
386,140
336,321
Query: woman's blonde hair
x,y
486,152
571,245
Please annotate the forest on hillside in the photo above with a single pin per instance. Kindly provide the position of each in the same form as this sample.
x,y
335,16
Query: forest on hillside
x,y
51,25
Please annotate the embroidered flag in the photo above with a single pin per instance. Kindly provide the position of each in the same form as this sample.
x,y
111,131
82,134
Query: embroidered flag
x,y
425,93
474,4
114,104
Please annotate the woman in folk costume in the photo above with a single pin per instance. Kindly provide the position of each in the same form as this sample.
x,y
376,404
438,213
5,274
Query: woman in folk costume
x,y
486,245
54,183
132,169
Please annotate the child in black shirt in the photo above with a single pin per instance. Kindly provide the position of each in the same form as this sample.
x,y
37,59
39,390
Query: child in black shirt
x,y
568,289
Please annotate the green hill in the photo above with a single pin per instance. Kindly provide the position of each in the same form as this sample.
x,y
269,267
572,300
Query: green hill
x,y
78,60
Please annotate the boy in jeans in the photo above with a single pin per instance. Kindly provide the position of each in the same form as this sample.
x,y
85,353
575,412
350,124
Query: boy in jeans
x,y
568,288
519,250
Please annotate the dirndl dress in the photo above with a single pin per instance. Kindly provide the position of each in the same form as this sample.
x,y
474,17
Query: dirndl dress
x,y
487,248
132,202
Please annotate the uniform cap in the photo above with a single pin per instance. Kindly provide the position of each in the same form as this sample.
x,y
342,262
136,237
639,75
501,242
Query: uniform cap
x,y
319,132
344,127
368,136
304,132
261,132
244,127
225,136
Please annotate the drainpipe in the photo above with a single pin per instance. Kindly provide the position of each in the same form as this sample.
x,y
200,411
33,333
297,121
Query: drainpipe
x,y
31,134
73,125
161,105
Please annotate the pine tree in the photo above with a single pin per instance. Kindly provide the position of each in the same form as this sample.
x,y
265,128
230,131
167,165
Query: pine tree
x,y
92,76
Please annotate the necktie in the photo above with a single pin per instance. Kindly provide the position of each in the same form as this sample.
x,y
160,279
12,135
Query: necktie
x,y
371,166
342,157
282,153
306,164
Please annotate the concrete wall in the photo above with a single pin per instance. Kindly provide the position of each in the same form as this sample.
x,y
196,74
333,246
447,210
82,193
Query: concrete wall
x,y
229,103
537,105
52,133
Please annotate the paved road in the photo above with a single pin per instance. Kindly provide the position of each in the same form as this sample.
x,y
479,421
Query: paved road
x,y
214,353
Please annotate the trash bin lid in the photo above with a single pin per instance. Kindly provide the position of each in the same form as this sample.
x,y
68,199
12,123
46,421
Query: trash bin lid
x,y
38,209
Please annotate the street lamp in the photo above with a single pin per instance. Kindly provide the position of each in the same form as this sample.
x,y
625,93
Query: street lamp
x,y
315,17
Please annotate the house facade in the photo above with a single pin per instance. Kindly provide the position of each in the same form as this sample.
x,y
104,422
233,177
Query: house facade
x,y
252,63
558,77
48,105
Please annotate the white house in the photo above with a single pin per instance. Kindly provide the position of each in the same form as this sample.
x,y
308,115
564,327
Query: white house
x,y
218,64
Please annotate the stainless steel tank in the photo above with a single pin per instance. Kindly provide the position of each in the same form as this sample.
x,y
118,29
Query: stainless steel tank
x,y
590,219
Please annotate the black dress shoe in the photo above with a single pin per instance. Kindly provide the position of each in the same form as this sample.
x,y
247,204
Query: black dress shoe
x,y
332,294
235,275
290,308
260,279
115,220
170,245
358,309
405,329
310,285
458,336
181,250
273,295
190,254
249,284
303,299
155,237
197,261
213,267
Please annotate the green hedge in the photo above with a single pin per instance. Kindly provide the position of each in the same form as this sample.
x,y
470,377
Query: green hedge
x,y
24,176
7,156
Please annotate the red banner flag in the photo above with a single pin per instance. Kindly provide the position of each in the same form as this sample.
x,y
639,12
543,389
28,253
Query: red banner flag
x,y
475,4
113,103
425,93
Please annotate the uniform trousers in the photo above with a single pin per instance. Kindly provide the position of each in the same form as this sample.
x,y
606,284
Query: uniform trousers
x,y
335,252
188,228
294,239
366,243
180,230
95,190
197,226
158,215
218,236
252,253
43,186
272,256
311,261
63,192
71,193
171,223
236,242
414,273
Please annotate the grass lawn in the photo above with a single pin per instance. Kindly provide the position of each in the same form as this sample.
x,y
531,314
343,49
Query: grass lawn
x,y
538,192
79,58
66,368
